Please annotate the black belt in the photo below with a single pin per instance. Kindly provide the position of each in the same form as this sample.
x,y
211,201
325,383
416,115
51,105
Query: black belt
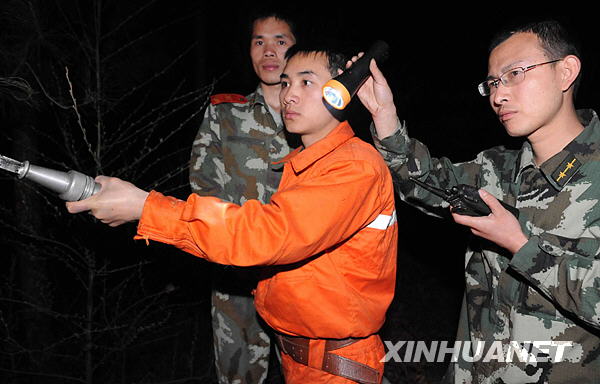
x,y
297,348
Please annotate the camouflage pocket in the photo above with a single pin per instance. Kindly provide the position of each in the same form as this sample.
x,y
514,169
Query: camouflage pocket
x,y
562,246
246,140
244,149
531,302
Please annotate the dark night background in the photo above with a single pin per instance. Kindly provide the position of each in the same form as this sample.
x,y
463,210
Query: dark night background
x,y
81,302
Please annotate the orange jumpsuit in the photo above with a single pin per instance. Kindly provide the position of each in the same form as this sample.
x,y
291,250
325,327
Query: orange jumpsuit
x,y
330,234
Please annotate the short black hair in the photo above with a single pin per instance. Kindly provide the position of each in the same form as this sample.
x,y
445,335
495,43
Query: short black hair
x,y
554,39
335,60
259,14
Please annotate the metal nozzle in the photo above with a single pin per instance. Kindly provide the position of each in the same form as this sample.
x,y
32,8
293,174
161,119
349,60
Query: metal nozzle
x,y
11,165
70,186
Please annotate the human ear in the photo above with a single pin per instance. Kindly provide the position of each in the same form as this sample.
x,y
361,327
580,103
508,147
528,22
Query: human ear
x,y
571,67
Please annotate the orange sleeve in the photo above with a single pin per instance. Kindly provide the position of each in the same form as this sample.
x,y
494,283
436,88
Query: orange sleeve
x,y
301,221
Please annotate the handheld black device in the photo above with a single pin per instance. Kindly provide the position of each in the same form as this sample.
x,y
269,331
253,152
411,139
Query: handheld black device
x,y
464,199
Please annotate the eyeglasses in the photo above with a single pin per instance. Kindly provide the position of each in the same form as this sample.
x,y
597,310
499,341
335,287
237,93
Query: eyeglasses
x,y
509,78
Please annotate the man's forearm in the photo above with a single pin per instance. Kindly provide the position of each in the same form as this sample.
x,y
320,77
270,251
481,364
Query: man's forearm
x,y
386,123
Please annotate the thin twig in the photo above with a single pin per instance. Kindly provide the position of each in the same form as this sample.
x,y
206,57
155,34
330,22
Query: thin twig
x,y
52,100
85,139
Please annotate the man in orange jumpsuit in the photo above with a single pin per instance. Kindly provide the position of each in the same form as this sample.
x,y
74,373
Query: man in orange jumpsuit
x,y
329,233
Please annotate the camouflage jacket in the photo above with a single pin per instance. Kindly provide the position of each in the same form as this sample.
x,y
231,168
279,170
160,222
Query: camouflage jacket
x,y
546,297
234,149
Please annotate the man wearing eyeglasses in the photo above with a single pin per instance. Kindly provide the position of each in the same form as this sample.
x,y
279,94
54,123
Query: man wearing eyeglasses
x,y
531,310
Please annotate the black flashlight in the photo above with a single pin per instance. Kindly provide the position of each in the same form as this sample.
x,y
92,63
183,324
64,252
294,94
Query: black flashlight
x,y
338,92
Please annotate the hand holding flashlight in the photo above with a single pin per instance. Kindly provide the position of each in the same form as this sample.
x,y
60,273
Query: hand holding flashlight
x,y
338,92
377,97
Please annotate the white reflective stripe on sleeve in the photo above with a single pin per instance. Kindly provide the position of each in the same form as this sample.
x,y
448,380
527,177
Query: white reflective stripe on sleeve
x,y
383,221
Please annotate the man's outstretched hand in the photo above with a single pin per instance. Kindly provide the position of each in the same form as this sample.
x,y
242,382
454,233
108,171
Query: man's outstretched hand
x,y
118,202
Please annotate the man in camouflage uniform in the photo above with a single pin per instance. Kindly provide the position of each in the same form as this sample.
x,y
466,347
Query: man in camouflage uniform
x,y
532,280
239,139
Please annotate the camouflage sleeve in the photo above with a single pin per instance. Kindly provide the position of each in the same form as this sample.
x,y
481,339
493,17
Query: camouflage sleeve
x,y
207,169
407,157
565,270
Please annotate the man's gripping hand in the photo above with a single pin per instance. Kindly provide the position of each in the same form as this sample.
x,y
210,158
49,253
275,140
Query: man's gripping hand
x,y
118,202
500,226
377,97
